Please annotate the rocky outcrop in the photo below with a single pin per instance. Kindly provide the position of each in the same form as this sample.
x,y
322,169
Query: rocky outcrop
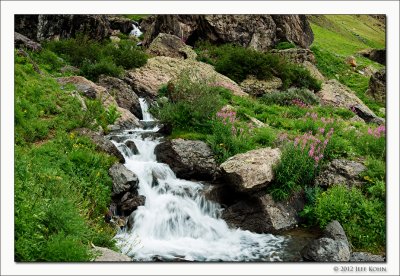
x,y
332,247
260,32
124,180
188,159
130,202
377,55
47,27
101,142
365,257
158,71
22,41
377,86
123,94
107,255
170,46
122,24
263,214
252,170
91,90
341,171
333,93
257,88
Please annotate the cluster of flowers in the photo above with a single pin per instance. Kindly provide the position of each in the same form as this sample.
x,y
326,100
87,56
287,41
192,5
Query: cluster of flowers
x,y
314,117
377,132
299,103
314,145
228,116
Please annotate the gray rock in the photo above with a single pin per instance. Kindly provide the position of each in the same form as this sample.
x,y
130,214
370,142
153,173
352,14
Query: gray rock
x,y
257,87
101,143
377,55
47,27
132,146
365,257
170,46
108,255
131,202
377,86
188,159
122,93
335,232
123,179
122,24
260,32
252,170
326,250
341,171
22,41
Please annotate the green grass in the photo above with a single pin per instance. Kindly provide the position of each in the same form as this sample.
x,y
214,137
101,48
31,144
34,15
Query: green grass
x,y
62,186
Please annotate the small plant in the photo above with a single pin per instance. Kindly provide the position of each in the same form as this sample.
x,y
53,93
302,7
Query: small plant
x,y
299,97
284,45
112,114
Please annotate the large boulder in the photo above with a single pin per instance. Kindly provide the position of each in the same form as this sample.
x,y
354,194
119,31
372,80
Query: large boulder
x,y
263,214
122,24
124,180
170,46
91,90
377,86
377,55
107,255
188,159
341,171
333,93
47,27
332,247
260,32
123,94
101,143
252,170
158,71
22,41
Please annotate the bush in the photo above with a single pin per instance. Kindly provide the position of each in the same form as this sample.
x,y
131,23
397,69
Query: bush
x,y
126,54
362,219
284,45
92,71
289,97
192,103
372,143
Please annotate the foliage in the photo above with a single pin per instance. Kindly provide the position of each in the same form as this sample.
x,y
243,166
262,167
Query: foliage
x,y
363,219
62,186
95,58
192,103
238,63
284,45
290,97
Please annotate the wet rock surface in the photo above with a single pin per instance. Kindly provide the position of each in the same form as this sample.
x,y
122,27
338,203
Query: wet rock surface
x,y
124,180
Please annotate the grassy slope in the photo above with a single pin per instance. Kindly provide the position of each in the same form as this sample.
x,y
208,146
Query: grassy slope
x,y
340,36
62,186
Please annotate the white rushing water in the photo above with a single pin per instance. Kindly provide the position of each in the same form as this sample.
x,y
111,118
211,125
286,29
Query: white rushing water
x,y
135,31
177,222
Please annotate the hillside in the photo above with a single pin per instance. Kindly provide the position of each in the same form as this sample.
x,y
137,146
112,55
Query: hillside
x,y
197,130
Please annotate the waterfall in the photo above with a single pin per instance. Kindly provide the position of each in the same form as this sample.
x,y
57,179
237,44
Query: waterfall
x,y
145,110
177,222
135,31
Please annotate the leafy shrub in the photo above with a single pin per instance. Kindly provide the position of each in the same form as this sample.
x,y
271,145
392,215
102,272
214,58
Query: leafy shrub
x,y
287,97
192,103
126,54
112,114
372,143
107,67
284,45
362,219
264,136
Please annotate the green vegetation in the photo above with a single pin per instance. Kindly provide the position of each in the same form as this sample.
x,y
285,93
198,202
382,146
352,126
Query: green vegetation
x,y
62,186
301,97
284,45
95,58
136,17
238,63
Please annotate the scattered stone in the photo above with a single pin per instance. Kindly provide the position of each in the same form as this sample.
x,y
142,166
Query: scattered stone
x,y
260,32
332,247
101,142
122,24
132,146
108,255
252,170
257,88
333,93
22,41
123,94
366,257
124,180
341,171
377,86
171,46
148,79
188,159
